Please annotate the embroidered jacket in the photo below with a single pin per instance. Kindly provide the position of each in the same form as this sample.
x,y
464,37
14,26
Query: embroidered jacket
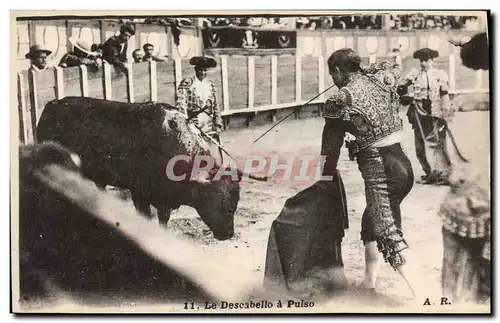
x,y
466,211
385,72
193,96
370,104
432,85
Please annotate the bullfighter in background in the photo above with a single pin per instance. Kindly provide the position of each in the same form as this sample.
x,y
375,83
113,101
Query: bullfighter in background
x,y
429,113
197,98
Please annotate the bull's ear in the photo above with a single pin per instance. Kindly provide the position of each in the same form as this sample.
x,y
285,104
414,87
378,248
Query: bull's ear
x,y
172,124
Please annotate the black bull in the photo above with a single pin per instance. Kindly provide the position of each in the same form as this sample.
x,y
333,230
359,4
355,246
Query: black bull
x,y
128,145
82,244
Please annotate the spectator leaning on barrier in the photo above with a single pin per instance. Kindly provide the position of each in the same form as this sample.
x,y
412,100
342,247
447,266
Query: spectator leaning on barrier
x,y
96,48
81,55
137,55
114,49
38,57
148,54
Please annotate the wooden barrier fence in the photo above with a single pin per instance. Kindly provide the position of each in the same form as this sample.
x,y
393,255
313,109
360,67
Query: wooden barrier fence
x,y
245,84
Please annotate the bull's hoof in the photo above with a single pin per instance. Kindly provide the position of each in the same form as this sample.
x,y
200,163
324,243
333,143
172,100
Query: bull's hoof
x,y
224,236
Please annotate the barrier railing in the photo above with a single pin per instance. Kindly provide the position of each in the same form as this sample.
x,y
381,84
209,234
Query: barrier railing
x,y
245,84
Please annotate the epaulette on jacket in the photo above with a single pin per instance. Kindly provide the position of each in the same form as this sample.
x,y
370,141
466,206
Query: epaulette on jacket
x,y
335,104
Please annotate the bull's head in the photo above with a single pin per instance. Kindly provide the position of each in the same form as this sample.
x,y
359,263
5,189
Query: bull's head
x,y
216,198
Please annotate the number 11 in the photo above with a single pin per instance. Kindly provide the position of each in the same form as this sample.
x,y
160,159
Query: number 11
x,y
186,305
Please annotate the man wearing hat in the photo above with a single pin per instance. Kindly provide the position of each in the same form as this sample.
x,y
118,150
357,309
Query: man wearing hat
x,y
81,55
196,97
38,57
428,114
114,50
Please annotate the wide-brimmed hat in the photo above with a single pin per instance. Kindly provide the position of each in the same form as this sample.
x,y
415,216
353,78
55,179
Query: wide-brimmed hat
x,y
83,46
37,48
203,62
425,54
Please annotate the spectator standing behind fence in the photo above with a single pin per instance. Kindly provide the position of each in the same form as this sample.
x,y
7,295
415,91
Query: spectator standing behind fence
x,y
148,54
38,57
96,48
81,55
137,55
114,49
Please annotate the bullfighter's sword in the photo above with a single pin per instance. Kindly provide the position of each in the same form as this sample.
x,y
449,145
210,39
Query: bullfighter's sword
x,y
221,148
287,116
293,112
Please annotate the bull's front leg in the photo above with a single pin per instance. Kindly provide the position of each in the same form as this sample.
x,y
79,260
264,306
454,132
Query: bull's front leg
x,y
163,213
141,203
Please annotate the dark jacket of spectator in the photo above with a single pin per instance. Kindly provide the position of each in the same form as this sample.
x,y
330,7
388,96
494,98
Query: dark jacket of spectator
x,y
114,50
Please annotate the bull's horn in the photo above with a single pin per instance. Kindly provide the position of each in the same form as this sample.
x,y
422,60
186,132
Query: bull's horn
x,y
261,178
